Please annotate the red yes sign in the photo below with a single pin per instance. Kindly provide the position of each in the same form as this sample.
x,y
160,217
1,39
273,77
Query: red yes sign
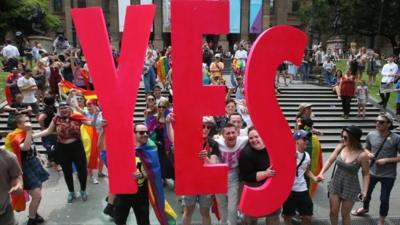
x,y
190,20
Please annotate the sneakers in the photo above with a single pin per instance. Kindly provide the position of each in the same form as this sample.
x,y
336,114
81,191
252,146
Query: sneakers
x,y
39,219
32,222
109,210
71,197
94,180
84,196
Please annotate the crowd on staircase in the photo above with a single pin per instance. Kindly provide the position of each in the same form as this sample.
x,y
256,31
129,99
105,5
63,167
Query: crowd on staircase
x,y
57,91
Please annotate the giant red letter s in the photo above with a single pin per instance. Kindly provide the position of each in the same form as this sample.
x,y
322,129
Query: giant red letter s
x,y
269,50
116,89
190,20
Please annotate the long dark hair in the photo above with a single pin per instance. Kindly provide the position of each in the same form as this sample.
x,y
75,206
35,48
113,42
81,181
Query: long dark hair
x,y
354,142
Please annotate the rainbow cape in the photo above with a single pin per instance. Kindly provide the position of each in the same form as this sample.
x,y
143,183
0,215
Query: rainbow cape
x,y
67,86
149,157
162,67
89,137
315,151
12,144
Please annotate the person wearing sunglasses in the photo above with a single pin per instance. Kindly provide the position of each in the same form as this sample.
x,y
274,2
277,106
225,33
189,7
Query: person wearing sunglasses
x,y
140,200
209,154
230,146
158,133
69,147
383,148
344,188
255,169
299,199
151,106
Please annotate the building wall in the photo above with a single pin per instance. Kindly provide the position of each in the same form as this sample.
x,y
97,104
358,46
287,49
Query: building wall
x,y
281,14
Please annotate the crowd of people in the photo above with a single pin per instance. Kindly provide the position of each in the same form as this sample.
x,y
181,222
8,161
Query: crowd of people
x,y
58,92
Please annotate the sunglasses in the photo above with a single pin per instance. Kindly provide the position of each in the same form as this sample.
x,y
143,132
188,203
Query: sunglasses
x,y
150,99
345,137
79,99
142,132
161,107
206,126
380,122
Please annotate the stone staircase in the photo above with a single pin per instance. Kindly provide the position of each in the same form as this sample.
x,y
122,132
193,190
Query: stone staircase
x,y
327,112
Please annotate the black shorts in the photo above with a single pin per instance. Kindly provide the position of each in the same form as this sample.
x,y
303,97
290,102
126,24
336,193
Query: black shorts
x,y
300,202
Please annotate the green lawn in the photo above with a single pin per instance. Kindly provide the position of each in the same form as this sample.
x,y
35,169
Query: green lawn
x,y
2,81
372,89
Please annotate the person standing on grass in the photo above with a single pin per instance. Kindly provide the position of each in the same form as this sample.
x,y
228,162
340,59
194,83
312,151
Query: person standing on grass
x,y
388,72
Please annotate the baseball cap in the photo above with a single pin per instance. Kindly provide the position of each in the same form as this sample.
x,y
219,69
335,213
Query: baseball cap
x,y
389,119
217,55
208,119
304,105
301,134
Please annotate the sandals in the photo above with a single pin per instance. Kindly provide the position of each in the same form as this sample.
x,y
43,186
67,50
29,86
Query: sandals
x,y
359,212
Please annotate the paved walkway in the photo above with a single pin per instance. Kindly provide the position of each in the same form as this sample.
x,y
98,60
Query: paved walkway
x,y
55,209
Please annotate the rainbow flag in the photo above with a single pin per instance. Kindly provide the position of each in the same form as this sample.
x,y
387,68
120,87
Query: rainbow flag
x,y
162,67
89,138
66,86
12,144
149,157
315,151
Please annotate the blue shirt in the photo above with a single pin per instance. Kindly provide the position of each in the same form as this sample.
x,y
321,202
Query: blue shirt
x,y
398,93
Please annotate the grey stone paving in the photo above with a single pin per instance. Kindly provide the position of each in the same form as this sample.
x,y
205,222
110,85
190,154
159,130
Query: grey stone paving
x,y
55,209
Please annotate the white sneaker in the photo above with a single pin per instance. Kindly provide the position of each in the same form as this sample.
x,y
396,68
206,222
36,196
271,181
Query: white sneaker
x,y
94,180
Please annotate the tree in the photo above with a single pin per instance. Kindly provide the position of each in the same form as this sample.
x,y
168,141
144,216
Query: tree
x,y
362,17
15,15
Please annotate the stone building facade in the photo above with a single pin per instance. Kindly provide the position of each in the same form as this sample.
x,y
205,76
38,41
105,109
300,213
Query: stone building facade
x,y
273,12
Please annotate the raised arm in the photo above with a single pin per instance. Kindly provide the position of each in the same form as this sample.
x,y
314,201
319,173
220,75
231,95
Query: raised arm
x,y
331,159
45,132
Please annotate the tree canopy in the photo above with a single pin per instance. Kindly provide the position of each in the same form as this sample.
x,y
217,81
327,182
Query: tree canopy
x,y
15,15
360,17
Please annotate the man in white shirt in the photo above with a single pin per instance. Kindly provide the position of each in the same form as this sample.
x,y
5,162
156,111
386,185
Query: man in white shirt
x,y
28,88
230,146
389,73
241,54
237,120
157,94
299,199
10,53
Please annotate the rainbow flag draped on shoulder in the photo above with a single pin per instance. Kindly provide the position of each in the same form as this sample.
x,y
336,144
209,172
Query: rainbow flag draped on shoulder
x,y
13,144
66,87
149,157
89,137
162,67
315,151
